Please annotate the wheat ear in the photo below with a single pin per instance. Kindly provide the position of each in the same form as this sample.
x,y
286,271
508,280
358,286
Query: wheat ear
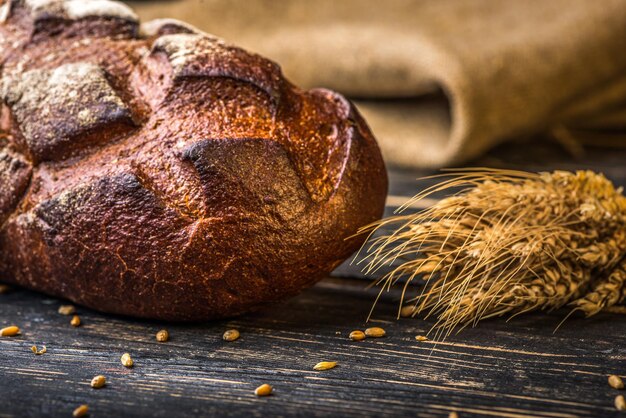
x,y
508,242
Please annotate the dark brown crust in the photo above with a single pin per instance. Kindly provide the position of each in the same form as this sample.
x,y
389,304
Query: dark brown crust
x,y
188,181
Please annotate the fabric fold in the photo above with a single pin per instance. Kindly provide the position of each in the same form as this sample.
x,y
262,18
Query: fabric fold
x,y
439,81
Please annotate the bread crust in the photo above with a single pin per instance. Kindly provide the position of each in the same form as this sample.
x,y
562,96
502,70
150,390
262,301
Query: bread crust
x,y
157,171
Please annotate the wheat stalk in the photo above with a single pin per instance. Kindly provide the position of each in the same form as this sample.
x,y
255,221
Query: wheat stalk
x,y
509,242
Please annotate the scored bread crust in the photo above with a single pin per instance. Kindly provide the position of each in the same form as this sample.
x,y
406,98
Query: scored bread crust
x,y
156,171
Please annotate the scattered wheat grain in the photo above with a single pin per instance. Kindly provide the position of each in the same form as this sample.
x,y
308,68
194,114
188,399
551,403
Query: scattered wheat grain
x,y
375,332
162,336
38,352
616,382
231,335
75,322
357,335
126,360
263,390
98,381
407,311
81,411
325,365
9,331
67,310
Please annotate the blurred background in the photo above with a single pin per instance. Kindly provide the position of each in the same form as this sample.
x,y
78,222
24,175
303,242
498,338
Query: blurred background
x,y
443,83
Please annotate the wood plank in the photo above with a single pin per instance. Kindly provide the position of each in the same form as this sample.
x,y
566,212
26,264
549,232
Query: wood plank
x,y
514,369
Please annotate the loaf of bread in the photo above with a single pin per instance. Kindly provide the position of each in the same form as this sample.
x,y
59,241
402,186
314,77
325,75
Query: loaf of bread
x,y
156,171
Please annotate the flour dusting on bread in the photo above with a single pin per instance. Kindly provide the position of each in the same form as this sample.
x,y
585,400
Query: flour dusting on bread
x,y
182,49
159,27
80,9
54,106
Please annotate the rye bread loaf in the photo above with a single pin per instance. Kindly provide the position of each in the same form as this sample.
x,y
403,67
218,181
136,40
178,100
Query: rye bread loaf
x,y
156,171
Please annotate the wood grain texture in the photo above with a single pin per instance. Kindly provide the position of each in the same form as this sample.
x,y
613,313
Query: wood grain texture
x,y
518,369
515,369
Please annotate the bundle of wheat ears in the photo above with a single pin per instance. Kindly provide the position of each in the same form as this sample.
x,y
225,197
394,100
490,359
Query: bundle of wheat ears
x,y
509,242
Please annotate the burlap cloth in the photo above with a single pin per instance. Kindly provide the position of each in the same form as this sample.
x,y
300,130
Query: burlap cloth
x,y
439,81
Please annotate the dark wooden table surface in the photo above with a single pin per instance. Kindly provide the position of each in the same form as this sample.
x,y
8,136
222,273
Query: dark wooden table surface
x,y
510,369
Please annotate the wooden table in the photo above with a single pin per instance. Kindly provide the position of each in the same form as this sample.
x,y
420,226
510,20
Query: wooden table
x,y
515,369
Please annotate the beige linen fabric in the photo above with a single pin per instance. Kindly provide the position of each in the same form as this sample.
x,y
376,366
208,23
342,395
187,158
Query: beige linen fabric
x,y
439,81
